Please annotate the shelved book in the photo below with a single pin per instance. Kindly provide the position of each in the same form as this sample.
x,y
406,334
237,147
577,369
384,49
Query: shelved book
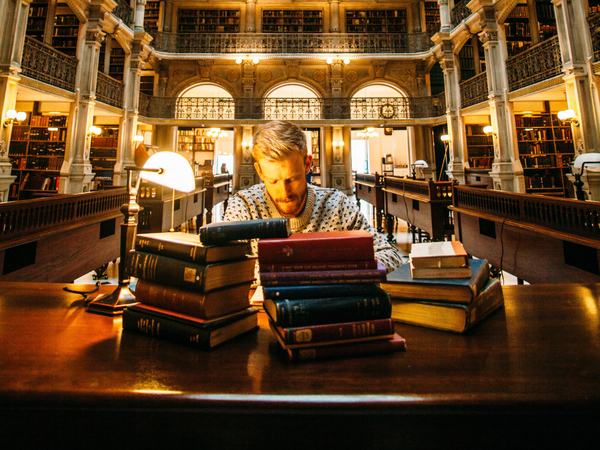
x,y
187,247
199,333
401,284
221,232
439,260
450,316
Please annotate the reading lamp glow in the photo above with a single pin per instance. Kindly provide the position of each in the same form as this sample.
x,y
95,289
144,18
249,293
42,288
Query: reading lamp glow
x,y
418,163
167,169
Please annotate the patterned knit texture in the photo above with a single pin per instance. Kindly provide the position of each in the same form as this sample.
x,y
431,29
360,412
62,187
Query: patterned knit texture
x,y
325,210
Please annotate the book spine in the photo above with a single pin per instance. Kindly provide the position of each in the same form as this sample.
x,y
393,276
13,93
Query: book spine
x,y
490,299
191,253
355,349
166,329
219,233
312,266
323,277
319,291
298,313
337,331
356,248
164,270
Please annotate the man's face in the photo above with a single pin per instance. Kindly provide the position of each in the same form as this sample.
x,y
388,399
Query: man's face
x,y
286,182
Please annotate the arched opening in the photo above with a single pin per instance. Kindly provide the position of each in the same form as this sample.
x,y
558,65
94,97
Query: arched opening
x,y
292,102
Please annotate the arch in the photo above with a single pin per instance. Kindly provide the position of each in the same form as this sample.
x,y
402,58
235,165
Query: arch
x,y
205,101
205,90
379,100
292,101
292,90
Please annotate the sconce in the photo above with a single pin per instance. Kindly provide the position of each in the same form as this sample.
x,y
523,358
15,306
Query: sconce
x,y
240,60
346,61
418,163
337,144
245,145
580,162
568,115
367,133
137,139
94,131
489,130
445,138
12,116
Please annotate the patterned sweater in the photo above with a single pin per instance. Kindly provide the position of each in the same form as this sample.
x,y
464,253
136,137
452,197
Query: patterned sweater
x,y
325,210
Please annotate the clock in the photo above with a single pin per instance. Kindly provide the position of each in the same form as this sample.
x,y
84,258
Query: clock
x,y
387,111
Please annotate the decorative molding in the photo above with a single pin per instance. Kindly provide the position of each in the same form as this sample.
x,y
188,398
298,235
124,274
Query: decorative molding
x,y
233,75
319,75
265,76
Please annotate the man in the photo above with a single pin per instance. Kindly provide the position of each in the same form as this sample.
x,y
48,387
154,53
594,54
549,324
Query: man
x,y
280,151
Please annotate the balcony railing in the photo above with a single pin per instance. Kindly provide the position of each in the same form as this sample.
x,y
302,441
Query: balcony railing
x,y
539,63
594,23
124,12
109,90
474,90
293,43
292,108
43,63
459,12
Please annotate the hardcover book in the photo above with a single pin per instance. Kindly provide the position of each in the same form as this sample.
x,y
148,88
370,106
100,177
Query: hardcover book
x,y
187,330
197,277
187,247
318,265
333,333
427,255
192,303
221,232
317,311
439,272
353,245
324,277
319,291
401,284
397,343
450,316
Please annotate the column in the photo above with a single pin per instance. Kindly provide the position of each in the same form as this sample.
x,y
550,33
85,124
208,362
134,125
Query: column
x,y
12,40
334,16
140,10
250,16
76,173
246,174
340,170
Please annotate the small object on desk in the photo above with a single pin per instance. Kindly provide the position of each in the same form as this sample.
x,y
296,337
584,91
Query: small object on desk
x,y
223,232
438,255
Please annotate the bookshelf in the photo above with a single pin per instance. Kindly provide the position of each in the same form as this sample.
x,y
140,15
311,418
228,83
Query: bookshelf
x,y
594,6
314,149
545,150
292,21
117,62
36,22
37,150
196,143
208,21
480,147
472,59
376,21
519,29
432,17
147,84
64,37
151,15
546,19
103,153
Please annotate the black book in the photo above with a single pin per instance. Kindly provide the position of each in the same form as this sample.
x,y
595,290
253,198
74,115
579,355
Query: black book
x,y
222,232
319,291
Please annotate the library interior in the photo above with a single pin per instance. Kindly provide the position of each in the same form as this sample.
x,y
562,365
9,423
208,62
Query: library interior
x,y
467,121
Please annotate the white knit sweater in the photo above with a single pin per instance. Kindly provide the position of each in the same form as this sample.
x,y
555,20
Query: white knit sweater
x,y
325,210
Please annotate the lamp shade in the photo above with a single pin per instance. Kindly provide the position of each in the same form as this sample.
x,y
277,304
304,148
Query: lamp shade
x,y
176,171
586,158
421,163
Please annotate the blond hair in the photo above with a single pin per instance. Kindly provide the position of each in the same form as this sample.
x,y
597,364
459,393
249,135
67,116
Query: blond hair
x,y
278,140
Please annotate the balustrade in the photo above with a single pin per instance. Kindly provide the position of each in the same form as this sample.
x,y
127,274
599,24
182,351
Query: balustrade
x,y
474,90
43,63
109,90
459,12
539,63
124,12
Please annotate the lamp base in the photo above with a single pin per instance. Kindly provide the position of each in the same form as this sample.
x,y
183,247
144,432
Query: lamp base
x,y
114,303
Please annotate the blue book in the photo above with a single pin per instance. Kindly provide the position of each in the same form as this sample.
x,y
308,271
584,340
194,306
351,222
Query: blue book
x,y
318,291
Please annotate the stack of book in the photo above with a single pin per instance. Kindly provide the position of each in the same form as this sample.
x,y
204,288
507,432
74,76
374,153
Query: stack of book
x,y
322,297
188,292
450,304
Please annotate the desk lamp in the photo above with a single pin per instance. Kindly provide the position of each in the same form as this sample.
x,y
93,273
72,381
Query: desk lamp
x,y
418,163
166,169
580,162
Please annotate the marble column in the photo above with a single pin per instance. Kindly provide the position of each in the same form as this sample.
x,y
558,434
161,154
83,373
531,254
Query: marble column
x,y
250,16
334,16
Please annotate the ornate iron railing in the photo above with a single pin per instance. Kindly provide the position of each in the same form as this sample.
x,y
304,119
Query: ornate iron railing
x,y
109,90
291,43
474,90
124,12
292,108
594,23
539,63
43,63
459,12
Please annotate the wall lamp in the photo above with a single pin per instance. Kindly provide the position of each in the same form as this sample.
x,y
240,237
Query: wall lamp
x,y
339,144
330,61
240,60
489,130
12,116
138,139
580,162
245,145
94,131
445,138
568,115
418,163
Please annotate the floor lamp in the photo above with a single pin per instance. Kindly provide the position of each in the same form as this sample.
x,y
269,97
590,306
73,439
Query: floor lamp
x,y
167,169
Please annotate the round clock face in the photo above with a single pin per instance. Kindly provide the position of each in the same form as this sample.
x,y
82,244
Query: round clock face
x,y
387,111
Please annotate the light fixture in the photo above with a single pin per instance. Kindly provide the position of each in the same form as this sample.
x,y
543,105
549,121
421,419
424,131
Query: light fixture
x,y
94,131
445,138
329,61
568,115
137,139
338,143
346,61
418,163
13,116
238,61
255,60
580,162
166,169
216,133
367,133
489,130
245,144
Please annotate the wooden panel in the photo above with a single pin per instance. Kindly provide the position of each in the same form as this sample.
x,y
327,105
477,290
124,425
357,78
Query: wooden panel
x,y
369,187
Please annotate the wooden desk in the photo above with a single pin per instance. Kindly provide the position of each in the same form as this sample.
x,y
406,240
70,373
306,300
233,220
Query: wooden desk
x,y
528,376
421,204
369,187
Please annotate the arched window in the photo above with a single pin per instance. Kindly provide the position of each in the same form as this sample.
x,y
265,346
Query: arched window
x,y
379,101
292,102
205,102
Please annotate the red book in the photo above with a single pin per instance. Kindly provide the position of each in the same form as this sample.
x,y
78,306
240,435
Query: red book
x,y
395,344
318,265
353,245
377,275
